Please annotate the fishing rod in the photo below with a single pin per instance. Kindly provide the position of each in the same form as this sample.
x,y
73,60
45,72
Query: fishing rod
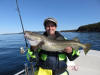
x,y
22,50
26,44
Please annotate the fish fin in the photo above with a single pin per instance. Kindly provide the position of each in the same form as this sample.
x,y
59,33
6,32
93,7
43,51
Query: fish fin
x,y
76,39
76,47
87,48
39,45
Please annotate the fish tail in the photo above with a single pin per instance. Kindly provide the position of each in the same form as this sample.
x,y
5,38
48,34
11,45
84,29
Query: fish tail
x,y
87,48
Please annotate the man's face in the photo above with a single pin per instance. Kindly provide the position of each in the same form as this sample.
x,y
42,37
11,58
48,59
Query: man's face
x,y
50,28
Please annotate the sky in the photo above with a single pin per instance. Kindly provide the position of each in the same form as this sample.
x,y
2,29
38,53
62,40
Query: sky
x,y
70,14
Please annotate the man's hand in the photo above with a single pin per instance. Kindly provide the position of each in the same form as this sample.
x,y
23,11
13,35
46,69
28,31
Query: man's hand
x,y
68,49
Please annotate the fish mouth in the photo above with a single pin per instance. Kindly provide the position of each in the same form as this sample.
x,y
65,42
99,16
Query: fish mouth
x,y
33,42
28,38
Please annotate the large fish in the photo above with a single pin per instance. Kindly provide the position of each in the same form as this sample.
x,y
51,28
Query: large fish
x,y
54,45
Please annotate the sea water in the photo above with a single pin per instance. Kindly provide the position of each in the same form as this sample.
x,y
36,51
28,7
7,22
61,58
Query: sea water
x,y
11,61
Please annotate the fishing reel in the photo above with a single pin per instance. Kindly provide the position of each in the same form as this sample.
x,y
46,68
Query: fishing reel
x,y
22,51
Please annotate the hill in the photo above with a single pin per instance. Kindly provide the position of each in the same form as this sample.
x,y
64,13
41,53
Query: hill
x,y
89,28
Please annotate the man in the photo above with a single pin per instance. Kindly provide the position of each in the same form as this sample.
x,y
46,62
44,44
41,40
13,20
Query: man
x,y
54,63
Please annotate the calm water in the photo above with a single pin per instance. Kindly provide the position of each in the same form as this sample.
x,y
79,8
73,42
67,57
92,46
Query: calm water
x,y
11,61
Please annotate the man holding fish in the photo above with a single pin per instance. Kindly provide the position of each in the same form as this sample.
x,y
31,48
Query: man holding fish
x,y
52,54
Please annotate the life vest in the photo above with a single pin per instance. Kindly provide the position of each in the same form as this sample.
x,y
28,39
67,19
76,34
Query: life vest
x,y
30,54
